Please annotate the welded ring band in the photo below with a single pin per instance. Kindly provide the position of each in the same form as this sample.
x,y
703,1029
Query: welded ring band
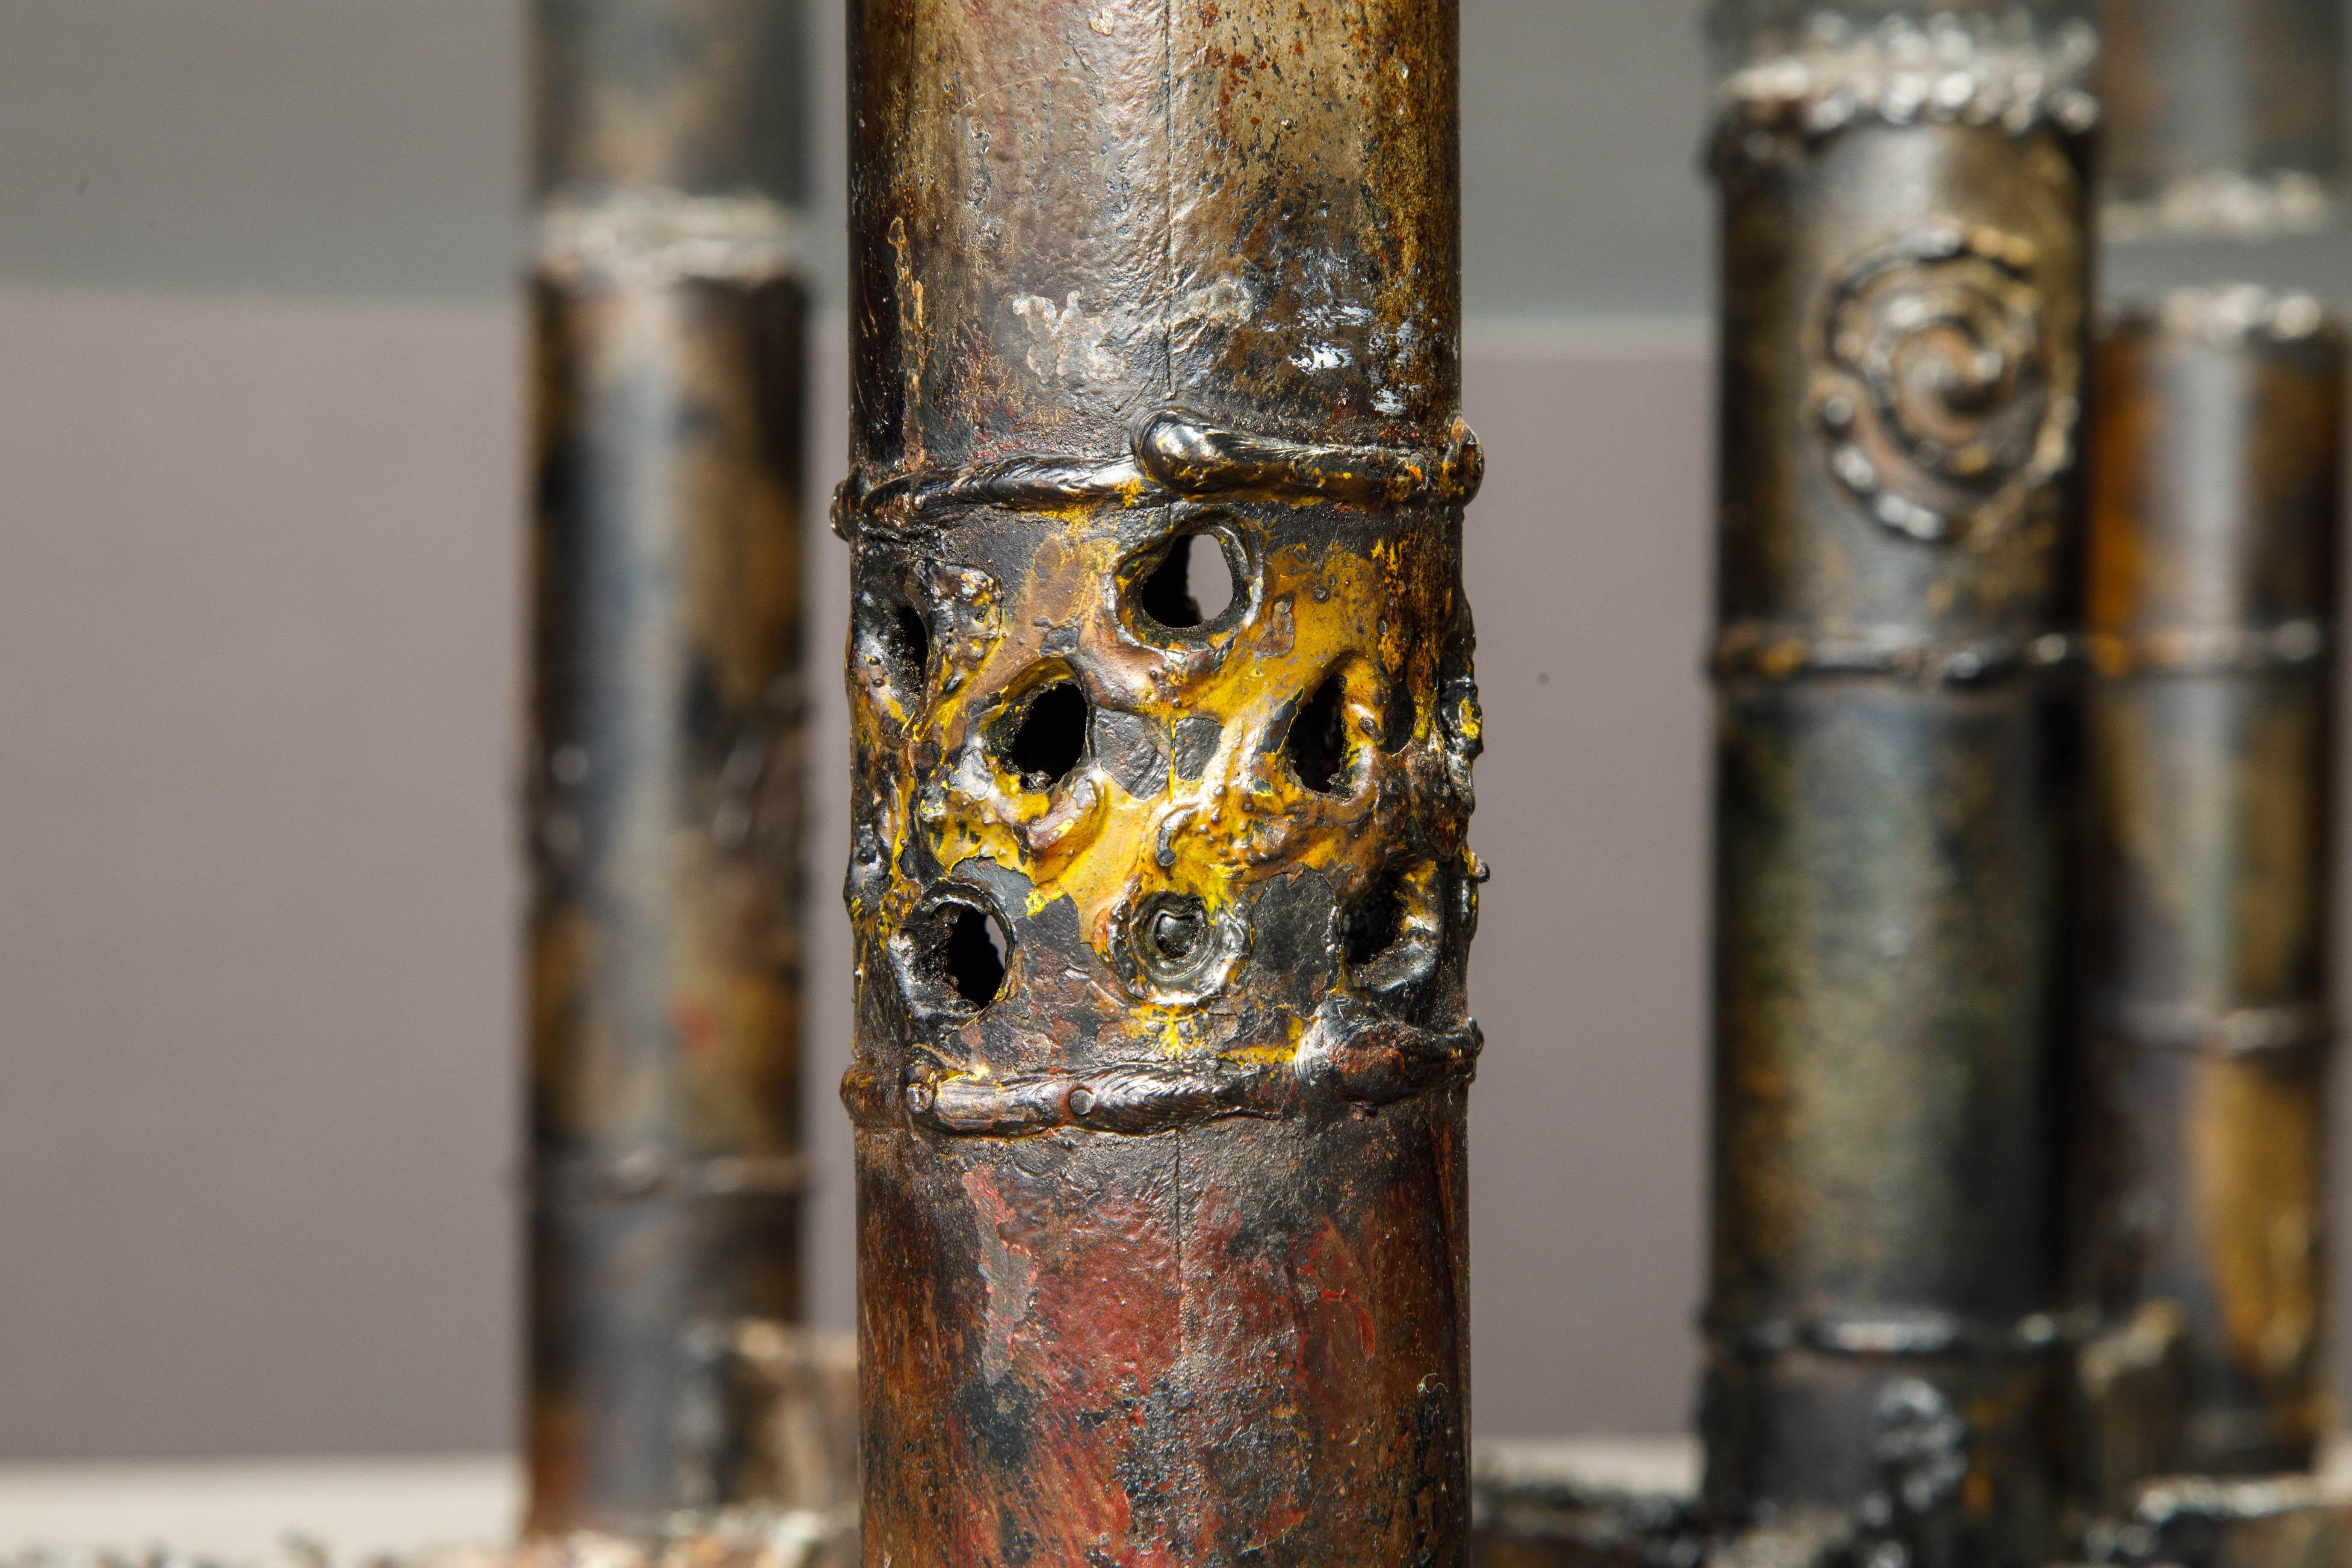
x,y
1174,457
1806,97
1345,1059
667,237
655,1175
1924,1333
2306,1029
2209,650
1767,652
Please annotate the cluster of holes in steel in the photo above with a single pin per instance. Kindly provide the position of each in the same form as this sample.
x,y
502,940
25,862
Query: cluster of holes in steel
x,y
965,949
1047,738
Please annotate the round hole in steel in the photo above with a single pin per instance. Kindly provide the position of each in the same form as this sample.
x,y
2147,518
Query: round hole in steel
x,y
1051,737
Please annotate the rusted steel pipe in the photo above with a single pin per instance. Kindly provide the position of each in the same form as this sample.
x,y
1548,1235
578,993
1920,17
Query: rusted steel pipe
x,y
1906,272
665,1155
2216,514
1160,674
2224,117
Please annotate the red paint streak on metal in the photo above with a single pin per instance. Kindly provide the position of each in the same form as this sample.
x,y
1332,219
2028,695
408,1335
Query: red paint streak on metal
x,y
1334,1263
1084,1316
1250,1324
1008,1267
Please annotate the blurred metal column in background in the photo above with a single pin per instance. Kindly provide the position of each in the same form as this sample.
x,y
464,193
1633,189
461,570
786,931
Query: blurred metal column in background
x,y
664,778
2223,117
2214,549
1905,307
2214,594
1164,717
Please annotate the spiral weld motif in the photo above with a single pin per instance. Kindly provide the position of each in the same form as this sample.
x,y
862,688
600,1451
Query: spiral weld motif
x,y
1940,399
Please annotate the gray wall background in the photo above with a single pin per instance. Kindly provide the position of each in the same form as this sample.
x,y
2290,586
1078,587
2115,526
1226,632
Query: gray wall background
x,y
260,636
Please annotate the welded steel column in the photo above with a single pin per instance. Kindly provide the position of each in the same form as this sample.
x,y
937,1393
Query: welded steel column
x,y
1161,675
663,775
2214,543
2223,117
1905,270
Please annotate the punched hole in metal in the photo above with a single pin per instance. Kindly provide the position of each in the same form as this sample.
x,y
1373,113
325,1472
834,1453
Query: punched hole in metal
x,y
972,954
1174,937
1317,746
1397,720
1051,738
894,641
1377,924
910,641
1178,595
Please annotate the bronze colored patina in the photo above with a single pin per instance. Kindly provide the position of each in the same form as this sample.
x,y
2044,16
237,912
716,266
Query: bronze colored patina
x,y
2217,510
2223,117
666,1156
1905,271
1160,674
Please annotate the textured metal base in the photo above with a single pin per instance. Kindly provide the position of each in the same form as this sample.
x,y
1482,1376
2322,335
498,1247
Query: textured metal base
x,y
762,1538
791,1396
1628,1505
2270,1522
1636,1505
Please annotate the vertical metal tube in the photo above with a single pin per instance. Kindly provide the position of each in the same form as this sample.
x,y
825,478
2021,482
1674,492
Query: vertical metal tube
x,y
664,805
1904,286
1160,675
2214,542
2223,117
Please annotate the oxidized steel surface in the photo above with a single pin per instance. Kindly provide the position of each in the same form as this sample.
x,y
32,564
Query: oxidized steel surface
x,y
663,779
2223,117
1905,271
2217,509
1162,1255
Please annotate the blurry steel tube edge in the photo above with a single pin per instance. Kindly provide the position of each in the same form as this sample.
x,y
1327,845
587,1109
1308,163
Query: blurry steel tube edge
x,y
2225,118
2214,579
1163,720
1907,266
670,1384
